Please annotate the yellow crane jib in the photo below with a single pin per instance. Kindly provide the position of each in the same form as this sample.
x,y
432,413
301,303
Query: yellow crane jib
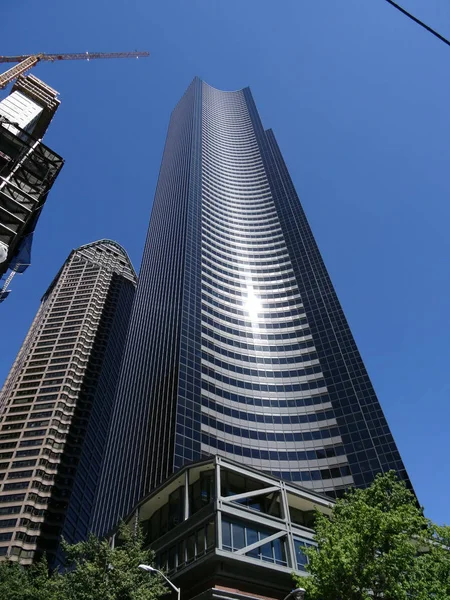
x,y
26,62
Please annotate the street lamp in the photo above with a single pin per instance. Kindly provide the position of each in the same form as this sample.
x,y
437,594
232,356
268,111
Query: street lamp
x,y
297,594
150,569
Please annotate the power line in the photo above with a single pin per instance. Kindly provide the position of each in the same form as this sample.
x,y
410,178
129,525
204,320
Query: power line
x,y
419,22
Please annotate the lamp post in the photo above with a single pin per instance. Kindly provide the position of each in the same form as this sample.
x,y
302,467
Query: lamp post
x,y
297,594
150,569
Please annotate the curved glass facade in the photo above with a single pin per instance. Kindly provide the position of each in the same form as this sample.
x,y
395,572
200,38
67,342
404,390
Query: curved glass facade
x,y
238,344
266,402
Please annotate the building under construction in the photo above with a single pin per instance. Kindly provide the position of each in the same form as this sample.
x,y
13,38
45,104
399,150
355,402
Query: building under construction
x,y
28,169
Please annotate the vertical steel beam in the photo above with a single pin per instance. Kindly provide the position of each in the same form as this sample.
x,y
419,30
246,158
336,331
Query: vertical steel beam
x,y
291,560
186,495
218,504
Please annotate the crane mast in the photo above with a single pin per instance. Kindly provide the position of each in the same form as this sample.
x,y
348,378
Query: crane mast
x,y
26,62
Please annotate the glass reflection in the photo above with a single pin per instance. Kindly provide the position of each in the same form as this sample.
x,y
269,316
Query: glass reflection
x,y
252,304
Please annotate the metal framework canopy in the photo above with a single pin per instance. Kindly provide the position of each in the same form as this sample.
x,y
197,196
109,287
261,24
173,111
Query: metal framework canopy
x,y
26,61
220,522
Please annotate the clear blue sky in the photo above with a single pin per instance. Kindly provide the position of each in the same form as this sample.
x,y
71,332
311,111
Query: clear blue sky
x,y
358,97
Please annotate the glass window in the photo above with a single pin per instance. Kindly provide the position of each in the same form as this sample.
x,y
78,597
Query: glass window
x,y
176,507
190,548
300,517
226,535
6,523
201,541
172,558
238,533
202,491
279,551
252,537
164,519
210,535
267,552
302,559
181,554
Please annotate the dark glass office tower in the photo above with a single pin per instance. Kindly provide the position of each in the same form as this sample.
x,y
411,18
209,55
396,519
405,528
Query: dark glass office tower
x,y
56,404
238,344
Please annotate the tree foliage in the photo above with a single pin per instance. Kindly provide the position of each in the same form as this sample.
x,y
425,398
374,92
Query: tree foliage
x,y
93,570
377,545
31,583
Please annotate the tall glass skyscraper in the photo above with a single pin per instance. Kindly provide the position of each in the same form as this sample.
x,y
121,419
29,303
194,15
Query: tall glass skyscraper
x,y
238,344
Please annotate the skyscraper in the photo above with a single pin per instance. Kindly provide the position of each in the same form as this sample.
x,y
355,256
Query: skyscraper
x,y
238,344
28,170
56,404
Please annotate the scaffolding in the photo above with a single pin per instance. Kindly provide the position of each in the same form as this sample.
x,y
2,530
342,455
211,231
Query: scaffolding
x,y
28,169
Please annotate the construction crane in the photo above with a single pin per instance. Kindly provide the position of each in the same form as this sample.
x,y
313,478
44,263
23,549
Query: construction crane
x,y
26,62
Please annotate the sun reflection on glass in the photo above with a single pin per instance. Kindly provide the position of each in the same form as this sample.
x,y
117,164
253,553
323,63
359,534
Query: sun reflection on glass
x,y
252,304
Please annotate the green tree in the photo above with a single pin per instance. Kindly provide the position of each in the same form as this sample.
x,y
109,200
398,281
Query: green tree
x,y
377,545
433,580
28,583
95,570
14,581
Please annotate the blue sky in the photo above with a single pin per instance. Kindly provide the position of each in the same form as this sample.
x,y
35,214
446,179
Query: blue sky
x,y
358,97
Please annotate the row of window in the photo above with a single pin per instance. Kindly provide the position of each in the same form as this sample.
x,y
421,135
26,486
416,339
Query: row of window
x,y
301,331
293,312
240,297
244,243
217,186
290,291
185,551
269,436
267,229
273,455
240,216
232,152
239,534
267,360
289,419
279,286
237,253
243,240
216,168
251,178
277,277
236,269
35,414
260,387
252,401
40,399
213,360
244,214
